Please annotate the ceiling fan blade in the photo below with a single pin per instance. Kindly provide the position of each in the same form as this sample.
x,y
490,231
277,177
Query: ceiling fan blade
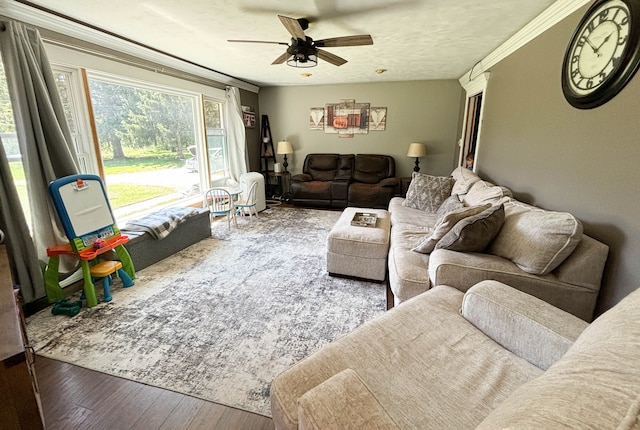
x,y
359,40
293,27
281,59
257,41
331,58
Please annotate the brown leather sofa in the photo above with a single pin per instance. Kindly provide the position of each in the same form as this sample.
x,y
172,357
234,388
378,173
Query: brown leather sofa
x,y
341,180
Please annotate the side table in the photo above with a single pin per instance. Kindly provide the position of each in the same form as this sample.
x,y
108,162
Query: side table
x,y
283,185
404,185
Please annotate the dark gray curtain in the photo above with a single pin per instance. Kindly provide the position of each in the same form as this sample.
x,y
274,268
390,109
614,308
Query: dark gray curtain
x,y
46,148
24,261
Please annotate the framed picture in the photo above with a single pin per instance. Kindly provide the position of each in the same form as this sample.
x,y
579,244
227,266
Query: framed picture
x,y
249,119
316,118
378,118
346,118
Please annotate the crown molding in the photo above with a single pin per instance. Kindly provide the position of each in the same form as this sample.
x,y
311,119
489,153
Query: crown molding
x,y
548,18
476,85
18,11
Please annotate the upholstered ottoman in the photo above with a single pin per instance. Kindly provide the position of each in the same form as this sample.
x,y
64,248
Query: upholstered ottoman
x,y
359,251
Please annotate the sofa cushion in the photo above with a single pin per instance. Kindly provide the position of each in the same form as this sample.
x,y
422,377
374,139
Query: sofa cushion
x,y
408,270
485,192
428,243
427,192
312,190
421,221
371,169
464,178
369,195
322,167
525,325
536,240
595,385
474,233
450,204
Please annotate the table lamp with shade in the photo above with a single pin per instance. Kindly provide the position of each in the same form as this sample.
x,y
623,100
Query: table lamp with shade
x,y
284,148
417,150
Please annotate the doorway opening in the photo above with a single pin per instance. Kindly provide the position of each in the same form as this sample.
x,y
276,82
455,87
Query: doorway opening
x,y
471,129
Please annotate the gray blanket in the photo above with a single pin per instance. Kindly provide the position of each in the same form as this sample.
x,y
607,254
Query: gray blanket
x,y
160,224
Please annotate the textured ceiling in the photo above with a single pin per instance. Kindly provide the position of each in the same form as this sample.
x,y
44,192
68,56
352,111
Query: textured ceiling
x,y
413,39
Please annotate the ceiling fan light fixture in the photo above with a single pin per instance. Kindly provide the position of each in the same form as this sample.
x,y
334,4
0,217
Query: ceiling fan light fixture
x,y
303,52
302,60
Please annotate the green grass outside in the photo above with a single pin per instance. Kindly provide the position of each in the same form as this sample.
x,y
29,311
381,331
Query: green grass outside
x,y
16,170
121,195
135,162
139,161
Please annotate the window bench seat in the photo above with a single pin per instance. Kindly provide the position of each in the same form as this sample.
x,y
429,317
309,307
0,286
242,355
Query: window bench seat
x,y
145,250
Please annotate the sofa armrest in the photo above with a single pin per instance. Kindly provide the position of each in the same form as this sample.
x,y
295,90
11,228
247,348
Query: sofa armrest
x,y
342,402
525,325
301,177
389,182
463,270
343,178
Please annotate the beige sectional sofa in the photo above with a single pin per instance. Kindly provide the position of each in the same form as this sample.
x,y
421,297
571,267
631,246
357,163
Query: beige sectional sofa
x,y
540,252
491,358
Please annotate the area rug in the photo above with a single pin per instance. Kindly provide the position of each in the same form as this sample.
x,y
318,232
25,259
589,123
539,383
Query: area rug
x,y
220,319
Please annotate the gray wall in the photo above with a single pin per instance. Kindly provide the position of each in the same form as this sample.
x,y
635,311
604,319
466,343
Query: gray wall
x,y
252,134
561,158
421,111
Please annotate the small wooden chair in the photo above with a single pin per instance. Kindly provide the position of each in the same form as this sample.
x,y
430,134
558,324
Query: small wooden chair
x,y
249,203
220,203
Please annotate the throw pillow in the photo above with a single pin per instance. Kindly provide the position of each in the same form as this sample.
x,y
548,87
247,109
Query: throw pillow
x,y
445,225
475,233
450,204
536,240
464,178
485,192
427,192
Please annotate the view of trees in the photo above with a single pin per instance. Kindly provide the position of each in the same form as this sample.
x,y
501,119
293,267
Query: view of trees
x,y
7,126
130,117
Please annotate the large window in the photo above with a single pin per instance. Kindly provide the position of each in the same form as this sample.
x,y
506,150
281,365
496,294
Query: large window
x,y
156,146
150,142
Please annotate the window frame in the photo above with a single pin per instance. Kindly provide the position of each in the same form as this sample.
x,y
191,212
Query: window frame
x,y
83,142
209,180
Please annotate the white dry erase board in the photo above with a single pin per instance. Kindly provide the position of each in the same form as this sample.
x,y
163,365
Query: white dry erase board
x,y
82,205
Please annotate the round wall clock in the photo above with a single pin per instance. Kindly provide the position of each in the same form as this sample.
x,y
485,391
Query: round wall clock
x,y
604,53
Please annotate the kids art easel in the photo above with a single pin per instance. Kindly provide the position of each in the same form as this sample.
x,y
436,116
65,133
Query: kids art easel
x,y
84,211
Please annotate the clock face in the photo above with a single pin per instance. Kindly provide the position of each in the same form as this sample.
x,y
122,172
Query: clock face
x,y
603,53
600,44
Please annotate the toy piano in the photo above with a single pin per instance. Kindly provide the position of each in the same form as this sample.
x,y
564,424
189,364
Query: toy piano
x,y
83,208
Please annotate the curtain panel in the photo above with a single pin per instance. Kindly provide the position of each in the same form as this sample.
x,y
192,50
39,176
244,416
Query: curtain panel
x,y
46,148
238,158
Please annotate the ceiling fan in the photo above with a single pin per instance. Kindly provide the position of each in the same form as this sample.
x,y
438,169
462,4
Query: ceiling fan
x,y
303,51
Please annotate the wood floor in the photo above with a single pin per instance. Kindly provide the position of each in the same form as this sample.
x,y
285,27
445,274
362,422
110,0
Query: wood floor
x,y
77,398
